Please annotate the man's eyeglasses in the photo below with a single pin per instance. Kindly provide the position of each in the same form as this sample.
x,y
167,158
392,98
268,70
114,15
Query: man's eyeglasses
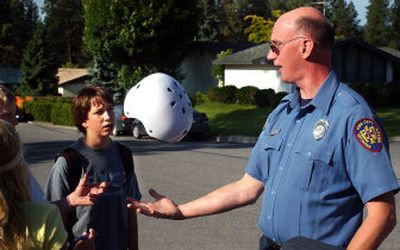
x,y
276,47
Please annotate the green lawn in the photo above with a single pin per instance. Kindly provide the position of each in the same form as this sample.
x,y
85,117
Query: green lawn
x,y
247,120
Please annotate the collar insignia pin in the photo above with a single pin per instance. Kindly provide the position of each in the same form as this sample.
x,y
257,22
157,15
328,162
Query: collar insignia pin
x,y
320,129
275,131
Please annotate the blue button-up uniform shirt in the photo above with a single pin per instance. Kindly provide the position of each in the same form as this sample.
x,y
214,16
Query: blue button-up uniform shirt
x,y
317,186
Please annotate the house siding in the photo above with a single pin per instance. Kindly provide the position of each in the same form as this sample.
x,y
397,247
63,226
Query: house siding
x,y
260,76
354,63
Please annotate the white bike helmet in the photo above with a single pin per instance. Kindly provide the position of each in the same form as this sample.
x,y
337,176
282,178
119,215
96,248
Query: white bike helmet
x,y
161,104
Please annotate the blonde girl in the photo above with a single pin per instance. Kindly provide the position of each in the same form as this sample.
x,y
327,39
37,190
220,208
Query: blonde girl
x,y
24,224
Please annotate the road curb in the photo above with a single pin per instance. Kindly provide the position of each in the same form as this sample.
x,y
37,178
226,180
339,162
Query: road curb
x,y
219,138
250,139
236,139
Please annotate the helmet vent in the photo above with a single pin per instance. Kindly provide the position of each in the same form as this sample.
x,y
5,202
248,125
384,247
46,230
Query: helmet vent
x,y
183,110
180,96
190,105
137,86
170,90
176,85
173,104
150,131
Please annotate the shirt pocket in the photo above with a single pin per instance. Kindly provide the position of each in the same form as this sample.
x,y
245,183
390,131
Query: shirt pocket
x,y
270,152
315,164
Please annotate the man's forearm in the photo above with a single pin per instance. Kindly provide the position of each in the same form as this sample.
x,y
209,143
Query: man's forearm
x,y
233,195
380,221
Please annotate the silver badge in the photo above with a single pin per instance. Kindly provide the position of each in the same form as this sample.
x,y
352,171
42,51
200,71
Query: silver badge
x,y
320,129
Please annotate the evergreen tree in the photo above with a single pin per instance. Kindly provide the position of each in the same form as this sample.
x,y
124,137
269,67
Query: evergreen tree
x,y
16,27
377,27
64,26
344,18
395,25
209,21
38,67
102,72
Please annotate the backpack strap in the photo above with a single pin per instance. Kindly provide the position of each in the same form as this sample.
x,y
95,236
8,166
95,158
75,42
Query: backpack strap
x,y
75,159
126,158
74,162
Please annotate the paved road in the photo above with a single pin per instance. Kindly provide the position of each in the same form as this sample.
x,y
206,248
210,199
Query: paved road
x,y
182,171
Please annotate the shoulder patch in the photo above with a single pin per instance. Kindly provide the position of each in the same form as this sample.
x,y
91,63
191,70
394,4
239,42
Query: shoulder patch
x,y
368,134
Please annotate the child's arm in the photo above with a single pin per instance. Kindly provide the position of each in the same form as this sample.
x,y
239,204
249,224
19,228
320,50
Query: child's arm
x,y
133,239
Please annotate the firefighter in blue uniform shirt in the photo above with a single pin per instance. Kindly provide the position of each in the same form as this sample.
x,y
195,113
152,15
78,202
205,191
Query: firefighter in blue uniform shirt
x,y
322,156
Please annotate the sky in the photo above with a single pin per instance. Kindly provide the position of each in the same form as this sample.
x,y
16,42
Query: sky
x,y
361,8
360,5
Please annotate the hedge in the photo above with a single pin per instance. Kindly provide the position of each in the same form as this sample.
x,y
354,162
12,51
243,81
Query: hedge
x,y
247,95
55,110
226,94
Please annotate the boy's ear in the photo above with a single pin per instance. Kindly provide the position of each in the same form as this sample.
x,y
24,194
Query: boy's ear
x,y
84,124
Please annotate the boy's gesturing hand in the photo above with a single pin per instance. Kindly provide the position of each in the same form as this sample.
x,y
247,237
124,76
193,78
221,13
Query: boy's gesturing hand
x,y
86,193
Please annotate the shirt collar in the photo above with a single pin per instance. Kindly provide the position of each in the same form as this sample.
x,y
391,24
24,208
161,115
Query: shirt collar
x,y
322,100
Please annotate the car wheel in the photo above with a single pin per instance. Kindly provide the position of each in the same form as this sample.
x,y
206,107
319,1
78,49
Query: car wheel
x,y
115,131
136,131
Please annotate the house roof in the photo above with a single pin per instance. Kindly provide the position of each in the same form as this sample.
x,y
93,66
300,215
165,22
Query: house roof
x,y
216,47
66,75
253,55
393,52
389,53
257,54
9,75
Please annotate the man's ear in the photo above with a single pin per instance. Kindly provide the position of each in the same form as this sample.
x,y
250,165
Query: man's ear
x,y
307,48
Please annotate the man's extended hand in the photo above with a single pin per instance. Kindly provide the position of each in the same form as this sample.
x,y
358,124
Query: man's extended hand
x,y
85,193
162,207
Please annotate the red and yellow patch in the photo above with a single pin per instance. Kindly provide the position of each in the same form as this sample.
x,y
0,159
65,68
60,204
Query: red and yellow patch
x,y
368,134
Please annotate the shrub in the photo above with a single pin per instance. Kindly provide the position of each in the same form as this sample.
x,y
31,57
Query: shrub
x,y
277,98
264,97
40,110
198,98
246,95
226,94
378,94
61,113
55,110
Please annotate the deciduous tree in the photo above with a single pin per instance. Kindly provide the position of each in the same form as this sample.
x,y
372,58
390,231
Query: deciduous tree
x,y
147,34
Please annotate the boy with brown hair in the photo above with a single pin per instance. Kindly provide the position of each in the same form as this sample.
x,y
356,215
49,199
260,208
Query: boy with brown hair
x,y
103,160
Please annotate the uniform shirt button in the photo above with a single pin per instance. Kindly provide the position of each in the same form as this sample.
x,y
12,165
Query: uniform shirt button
x,y
281,168
289,145
297,121
272,192
268,217
308,154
